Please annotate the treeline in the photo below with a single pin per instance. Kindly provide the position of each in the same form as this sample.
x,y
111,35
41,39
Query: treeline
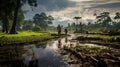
x,y
102,23
40,22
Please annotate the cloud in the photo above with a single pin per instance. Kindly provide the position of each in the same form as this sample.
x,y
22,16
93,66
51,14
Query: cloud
x,y
65,10
51,5
109,5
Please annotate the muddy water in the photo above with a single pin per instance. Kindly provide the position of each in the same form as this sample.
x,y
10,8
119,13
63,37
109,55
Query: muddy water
x,y
37,55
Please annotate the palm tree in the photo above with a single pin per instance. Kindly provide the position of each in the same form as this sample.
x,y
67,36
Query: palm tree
x,y
77,18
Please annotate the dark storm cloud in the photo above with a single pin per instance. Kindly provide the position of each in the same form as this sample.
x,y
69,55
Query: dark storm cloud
x,y
55,4
109,5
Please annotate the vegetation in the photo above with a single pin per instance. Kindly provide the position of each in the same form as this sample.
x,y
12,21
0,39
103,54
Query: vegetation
x,y
105,36
42,20
90,49
77,22
23,37
11,12
102,24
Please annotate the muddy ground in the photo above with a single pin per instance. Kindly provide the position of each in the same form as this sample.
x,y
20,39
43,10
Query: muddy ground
x,y
86,56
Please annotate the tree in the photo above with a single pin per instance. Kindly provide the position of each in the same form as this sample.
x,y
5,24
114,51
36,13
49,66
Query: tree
x,y
69,26
18,5
6,13
50,19
20,19
42,20
104,19
9,9
28,25
77,18
117,17
117,23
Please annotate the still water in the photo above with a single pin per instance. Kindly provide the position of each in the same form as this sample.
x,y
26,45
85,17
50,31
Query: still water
x,y
43,54
35,55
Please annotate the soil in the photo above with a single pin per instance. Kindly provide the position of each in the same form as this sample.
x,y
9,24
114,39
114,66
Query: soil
x,y
85,57
81,58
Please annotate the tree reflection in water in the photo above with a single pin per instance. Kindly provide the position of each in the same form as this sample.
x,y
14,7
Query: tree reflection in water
x,y
34,61
11,56
33,55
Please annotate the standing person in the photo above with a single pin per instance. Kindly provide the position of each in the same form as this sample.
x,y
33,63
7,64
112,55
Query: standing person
x,y
59,30
66,31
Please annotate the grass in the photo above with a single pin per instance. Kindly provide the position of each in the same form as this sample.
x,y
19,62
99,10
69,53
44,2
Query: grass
x,y
89,49
23,37
104,36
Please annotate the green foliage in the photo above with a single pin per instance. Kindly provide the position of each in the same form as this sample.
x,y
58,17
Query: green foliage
x,y
104,19
90,49
106,37
117,16
28,25
36,28
23,37
20,19
42,20
9,11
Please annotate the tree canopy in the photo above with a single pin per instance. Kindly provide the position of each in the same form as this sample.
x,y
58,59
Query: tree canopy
x,y
9,10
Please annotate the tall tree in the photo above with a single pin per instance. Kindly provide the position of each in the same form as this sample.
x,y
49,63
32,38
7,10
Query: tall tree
x,y
117,21
13,29
117,16
42,20
18,5
104,19
6,13
77,18
7,8
20,19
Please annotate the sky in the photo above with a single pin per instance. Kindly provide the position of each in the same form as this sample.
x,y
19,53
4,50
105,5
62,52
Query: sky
x,y
63,11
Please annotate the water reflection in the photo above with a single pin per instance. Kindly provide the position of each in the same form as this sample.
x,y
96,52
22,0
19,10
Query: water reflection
x,y
66,39
59,43
44,57
36,55
11,56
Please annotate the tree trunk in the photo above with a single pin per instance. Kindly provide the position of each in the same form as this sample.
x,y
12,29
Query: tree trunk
x,y
13,29
5,24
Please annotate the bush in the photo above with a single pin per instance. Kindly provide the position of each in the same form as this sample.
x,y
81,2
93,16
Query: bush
x,y
36,28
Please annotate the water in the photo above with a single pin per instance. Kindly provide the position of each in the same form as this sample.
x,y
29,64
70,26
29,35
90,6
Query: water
x,y
34,55
44,57
47,56
37,55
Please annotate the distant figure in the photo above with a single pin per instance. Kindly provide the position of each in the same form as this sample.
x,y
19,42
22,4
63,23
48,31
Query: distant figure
x,y
59,30
66,31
